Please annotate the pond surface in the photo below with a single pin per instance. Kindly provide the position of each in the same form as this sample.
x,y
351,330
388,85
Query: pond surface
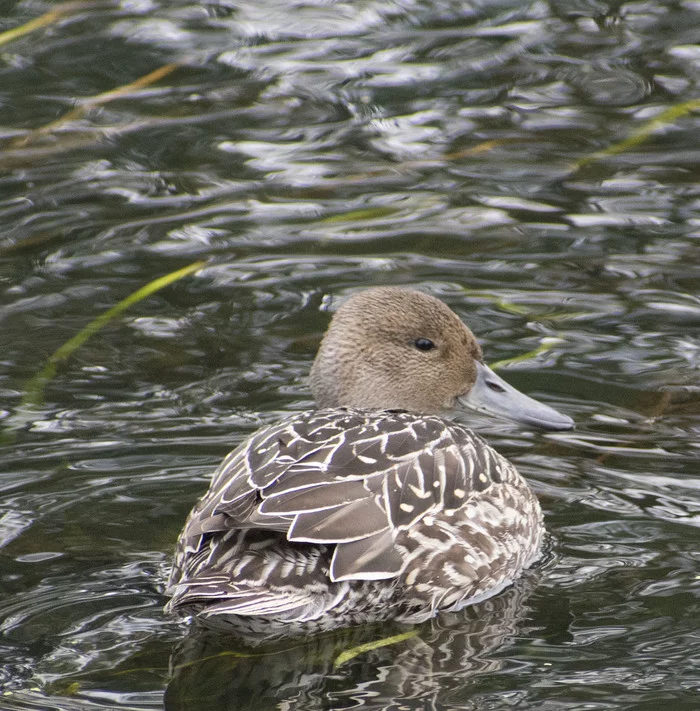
x,y
304,150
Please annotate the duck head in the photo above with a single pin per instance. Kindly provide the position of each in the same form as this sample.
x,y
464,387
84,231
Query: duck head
x,y
394,348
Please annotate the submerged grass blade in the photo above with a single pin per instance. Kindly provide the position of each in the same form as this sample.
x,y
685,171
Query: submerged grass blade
x,y
483,147
34,392
370,213
665,118
99,100
546,345
353,652
48,18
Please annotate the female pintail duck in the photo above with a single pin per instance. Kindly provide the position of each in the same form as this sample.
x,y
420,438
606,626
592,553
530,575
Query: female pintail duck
x,y
373,506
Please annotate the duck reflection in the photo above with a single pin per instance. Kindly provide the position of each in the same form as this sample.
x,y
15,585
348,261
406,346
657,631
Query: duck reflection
x,y
385,667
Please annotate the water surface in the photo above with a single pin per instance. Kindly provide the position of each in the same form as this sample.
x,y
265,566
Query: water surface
x,y
306,150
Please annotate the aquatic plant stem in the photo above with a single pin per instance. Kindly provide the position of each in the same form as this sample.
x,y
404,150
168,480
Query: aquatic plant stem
x,y
546,345
95,101
641,134
353,652
48,18
34,392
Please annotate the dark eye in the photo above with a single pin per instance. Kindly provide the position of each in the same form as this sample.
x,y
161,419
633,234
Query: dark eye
x,y
424,344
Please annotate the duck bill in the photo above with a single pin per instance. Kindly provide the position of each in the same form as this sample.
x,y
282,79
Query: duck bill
x,y
493,396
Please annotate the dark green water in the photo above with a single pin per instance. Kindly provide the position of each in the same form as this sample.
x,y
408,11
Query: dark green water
x,y
305,150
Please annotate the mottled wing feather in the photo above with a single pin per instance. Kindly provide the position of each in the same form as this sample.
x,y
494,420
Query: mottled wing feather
x,y
414,487
372,558
349,479
218,595
312,498
358,519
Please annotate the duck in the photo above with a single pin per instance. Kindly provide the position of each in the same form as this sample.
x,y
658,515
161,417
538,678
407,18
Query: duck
x,y
375,505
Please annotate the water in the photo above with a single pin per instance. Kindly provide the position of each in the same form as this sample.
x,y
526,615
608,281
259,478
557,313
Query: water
x,y
306,150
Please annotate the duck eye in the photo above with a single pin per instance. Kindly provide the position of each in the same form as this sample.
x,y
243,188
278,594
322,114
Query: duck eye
x,y
424,344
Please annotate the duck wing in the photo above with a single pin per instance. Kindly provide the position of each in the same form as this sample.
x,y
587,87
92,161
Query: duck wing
x,y
350,480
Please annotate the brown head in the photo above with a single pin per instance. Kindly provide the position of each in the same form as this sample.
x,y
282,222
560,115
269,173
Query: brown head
x,y
392,348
